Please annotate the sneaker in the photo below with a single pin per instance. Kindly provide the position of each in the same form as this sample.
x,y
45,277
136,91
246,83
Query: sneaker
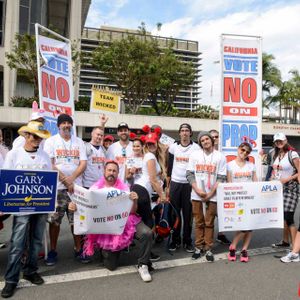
x,y
51,258
281,244
244,256
173,246
8,290
81,257
154,257
222,239
291,257
197,253
231,255
34,278
144,273
209,256
189,248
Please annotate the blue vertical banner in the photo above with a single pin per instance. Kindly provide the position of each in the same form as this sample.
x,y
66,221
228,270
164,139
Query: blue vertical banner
x,y
241,102
26,191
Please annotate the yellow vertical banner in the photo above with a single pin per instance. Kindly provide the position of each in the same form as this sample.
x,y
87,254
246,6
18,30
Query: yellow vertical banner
x,y
104,100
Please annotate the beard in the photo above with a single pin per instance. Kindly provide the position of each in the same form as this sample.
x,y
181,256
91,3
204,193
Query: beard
x,y
110,178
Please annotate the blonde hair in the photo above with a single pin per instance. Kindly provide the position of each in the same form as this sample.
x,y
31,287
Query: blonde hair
x,y
160,156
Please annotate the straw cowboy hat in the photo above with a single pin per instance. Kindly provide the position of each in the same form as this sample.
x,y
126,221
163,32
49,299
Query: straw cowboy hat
x,y
36,128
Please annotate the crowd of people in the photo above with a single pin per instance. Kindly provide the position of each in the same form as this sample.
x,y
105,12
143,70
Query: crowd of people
x,y
153,174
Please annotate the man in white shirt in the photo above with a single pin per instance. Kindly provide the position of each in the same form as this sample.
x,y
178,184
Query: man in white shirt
x,y
96,155
122,149
178,186
206,168
31,157
221,238
68,157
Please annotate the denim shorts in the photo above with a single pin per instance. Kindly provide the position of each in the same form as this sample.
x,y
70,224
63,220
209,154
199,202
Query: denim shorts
x,y
62,203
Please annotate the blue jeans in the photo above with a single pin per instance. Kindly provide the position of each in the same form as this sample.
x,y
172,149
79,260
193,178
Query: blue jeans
x,y
24,227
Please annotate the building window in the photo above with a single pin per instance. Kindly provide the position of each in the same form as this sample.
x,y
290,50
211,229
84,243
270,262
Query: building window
x,y
2,21
31,12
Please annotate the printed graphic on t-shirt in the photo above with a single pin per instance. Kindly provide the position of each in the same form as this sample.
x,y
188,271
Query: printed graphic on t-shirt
x,y
65,156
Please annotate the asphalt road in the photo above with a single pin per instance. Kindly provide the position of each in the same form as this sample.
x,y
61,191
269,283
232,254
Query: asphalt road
x,y
175,277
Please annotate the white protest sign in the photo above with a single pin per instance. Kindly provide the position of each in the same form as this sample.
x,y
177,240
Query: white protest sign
x,y
166,140
250,205
103,211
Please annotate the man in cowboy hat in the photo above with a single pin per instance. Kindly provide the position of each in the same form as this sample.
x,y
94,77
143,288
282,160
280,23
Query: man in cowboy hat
x,y
31,157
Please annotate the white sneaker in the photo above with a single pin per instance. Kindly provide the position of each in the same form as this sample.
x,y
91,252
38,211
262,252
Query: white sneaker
x,y
144,273
291,257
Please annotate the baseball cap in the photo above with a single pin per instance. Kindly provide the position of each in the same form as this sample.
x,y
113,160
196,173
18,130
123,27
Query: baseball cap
x,y
109,138
279,137
123,125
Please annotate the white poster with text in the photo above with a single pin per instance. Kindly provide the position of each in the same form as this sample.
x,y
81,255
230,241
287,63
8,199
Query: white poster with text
x,y
103,211
250,205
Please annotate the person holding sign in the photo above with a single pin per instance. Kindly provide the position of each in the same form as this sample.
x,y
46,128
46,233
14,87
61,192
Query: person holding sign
x,y
285,168
111,244
68,156
133,165
31,157
241,170
206,168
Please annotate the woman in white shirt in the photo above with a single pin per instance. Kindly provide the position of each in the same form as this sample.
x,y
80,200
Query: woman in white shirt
x,y
153,172
241,170
285,165
133,164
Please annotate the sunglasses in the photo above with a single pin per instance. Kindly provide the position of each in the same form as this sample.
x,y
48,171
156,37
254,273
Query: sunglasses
x,y
215,136
245,151
124,152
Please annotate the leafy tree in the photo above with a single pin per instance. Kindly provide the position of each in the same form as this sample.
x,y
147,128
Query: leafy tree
x,y
23,58
142,71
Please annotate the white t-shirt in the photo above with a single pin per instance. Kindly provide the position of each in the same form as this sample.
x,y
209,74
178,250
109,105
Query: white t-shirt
x,y
144,180
282,168
241,174
206,168
67,155
116,152
95,165
20,142
20,159
181,160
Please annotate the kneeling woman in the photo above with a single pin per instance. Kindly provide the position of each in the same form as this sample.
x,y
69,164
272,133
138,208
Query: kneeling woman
x,y
241,170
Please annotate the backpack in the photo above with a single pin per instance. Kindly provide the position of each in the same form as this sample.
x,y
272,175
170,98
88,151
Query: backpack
x,y
168,221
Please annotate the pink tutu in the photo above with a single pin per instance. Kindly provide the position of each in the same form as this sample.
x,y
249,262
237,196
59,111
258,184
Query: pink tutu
x,y
112,242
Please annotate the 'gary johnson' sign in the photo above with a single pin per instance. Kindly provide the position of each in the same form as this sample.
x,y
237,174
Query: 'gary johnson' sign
x,y
26,191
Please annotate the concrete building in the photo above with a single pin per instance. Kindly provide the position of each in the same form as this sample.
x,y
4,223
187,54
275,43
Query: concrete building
x,y
19,16
186,50
68,16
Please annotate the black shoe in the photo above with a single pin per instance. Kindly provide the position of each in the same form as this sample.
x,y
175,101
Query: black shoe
x,y
34,278
209,256
222,239
189,248
281,244
8,290
154,257
173,246
197,253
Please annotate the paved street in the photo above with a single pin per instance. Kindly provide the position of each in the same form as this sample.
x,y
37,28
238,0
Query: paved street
x,y
176,277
